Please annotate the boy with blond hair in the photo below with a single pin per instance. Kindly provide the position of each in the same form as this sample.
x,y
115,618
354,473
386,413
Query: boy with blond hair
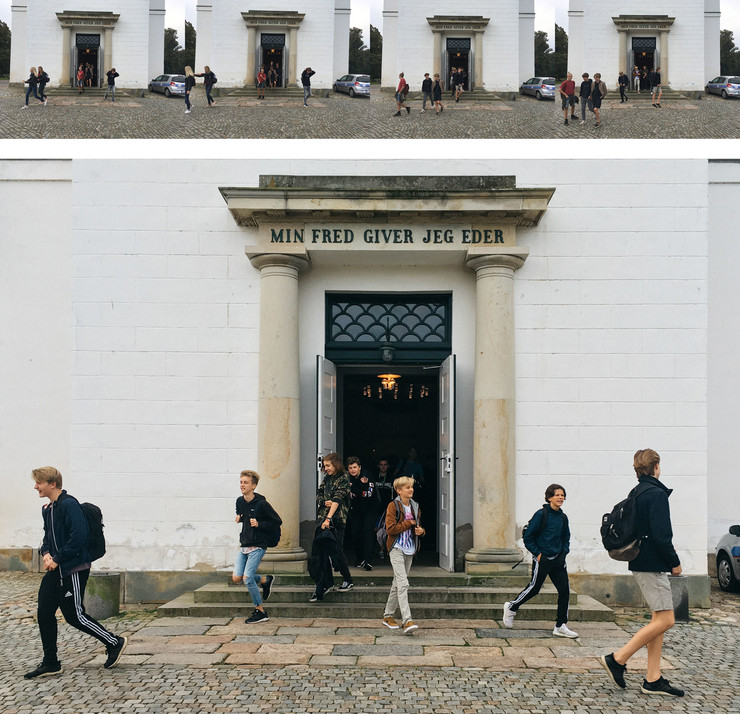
x,y
402,518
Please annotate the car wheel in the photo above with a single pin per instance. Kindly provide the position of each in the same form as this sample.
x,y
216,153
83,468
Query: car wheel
x,y
538,95
725,575
351,92
724,94
335,88
150,88
521,91
167,92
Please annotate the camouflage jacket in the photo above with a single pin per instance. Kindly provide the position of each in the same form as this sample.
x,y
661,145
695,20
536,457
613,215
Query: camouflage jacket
x,y
334,488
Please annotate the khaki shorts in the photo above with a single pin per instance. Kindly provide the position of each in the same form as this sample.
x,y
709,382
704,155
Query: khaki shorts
x,y
656,589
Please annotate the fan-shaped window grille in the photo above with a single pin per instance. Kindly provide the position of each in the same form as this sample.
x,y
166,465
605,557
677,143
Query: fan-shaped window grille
x,y
417,326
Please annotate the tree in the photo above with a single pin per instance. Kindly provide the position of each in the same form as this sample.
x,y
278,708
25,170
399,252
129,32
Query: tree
x,y
172,51
560,56
542,54
375,54
188,54
729,55
4,49
358,52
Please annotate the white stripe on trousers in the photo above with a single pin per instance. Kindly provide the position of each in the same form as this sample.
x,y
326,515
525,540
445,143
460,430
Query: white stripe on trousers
x,y
523,593
82,617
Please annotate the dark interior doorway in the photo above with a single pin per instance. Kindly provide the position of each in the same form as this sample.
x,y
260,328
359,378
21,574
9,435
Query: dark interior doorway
x,y
272,58
457,60
645,60
378,423
88,57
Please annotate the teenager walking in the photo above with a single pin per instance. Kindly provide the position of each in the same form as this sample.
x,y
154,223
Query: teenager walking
x,y
306,82
209,79
189,84
43,79
657,558
568,97
401,93
547,538
67,564
32,83
111,74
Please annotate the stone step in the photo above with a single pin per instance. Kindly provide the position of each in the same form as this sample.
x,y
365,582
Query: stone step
x,y
587,610
219,593
281,93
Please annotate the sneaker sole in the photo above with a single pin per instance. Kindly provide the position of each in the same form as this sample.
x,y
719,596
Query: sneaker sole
x,y
45,674
406,630
117,659
663,694
256,622
562,634
602,659
391,627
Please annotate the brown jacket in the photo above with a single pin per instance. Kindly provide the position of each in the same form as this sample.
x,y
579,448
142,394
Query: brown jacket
x,y
395,526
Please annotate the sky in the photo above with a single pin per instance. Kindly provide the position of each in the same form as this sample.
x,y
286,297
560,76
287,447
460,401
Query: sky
x,y
365,12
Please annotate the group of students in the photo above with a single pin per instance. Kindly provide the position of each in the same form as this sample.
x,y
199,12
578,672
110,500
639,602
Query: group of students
x,y
590,96
431,91
37,81
67,562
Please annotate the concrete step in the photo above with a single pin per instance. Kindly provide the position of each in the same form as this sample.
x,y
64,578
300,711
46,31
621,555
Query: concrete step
x,y
223,593
587,610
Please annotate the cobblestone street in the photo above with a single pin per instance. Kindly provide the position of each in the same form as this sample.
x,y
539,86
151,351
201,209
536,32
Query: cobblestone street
x,y
318,665
340,117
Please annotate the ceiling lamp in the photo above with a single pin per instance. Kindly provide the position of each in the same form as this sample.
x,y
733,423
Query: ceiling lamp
x,y
389,380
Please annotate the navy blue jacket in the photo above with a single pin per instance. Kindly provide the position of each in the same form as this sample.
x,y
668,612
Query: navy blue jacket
x,y
554,539
266,516
657,554
65,533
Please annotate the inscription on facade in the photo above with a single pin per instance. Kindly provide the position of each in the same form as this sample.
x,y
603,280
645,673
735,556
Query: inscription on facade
x,y
388,236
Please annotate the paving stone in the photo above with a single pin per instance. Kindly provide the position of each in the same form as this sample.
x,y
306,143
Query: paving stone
x,y
172,631
238,627
542,642
439,659
409,648
507,634
157,645
574,663
306,630
542,652
332,660
240,647
262,638
336,639
200,639
428,639
188,659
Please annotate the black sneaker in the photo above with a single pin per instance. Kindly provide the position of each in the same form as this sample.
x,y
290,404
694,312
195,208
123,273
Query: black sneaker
x,y
346,586
660,686
115,652
367,566
44,670
257,616
614,669
315,597
267,587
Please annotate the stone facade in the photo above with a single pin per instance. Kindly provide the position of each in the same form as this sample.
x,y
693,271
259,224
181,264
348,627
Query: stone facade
x,y
234,39
143,379
494,42
681,36
127,35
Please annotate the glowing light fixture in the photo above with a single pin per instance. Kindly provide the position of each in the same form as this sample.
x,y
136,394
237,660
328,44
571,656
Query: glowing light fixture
x,y
388,381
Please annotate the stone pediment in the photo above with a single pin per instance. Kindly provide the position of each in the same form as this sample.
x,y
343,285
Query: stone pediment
x,y
458,23
82,18
644,22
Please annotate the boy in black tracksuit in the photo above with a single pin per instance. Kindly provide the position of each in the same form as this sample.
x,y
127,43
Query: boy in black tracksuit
x,y
67,565
549,544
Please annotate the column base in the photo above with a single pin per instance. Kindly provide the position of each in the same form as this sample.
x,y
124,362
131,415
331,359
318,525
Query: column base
x,y
491,561
284,560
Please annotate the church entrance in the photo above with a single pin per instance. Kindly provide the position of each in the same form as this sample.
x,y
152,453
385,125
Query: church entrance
x,y
88,55
272,57
458,56
644,54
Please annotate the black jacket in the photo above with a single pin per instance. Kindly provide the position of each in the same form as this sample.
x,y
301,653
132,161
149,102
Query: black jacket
x,y
267,519
555,536
426,86
111,78
65,533
657,554
189,82
586,88
32,80
306,78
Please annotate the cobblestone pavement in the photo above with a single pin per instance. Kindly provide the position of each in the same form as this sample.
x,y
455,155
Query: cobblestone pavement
x,y
338,116
316,665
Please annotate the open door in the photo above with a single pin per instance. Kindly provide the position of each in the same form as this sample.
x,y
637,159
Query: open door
x,y
446,537
326,411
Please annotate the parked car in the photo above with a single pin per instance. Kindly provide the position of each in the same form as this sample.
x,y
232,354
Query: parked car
x,y
539,87
724,86
356,85
728,560
169,85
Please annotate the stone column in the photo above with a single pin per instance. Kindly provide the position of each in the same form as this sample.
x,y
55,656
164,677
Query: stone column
x,y
251,56
494,474
278,425
437,60
623,52
108,51
66,58
293,57
664,81
478,59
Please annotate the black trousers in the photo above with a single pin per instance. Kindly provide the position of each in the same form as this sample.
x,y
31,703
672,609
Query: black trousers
x,y
66,594
363,535
558,575
341,563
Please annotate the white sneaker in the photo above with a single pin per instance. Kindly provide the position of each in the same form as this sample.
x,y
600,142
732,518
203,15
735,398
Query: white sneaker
x,y
44,102
25,106
564,631
509,616
187,111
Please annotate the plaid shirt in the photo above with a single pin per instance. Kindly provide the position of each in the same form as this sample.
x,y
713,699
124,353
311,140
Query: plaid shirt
x,y
334,488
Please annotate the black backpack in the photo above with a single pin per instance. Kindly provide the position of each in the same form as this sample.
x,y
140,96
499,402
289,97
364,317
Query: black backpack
x,y
543,523
620,534
274,534
95,537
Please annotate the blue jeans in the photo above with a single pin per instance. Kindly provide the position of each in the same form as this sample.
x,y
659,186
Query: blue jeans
x,y
306,93
112,90
187,99
246,565
29,89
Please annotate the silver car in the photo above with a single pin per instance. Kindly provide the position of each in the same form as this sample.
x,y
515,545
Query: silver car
x,y
539,87
728,560
168,84
356,85
724,86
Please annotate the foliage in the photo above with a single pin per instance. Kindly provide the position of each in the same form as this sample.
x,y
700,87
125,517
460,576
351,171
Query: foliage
x,y
547,62
4,49
542,55
176,58
729,55
376,54
359,52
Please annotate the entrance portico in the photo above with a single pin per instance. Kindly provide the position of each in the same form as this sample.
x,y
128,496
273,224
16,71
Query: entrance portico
x,y
275,25
462,221
644,33
454,33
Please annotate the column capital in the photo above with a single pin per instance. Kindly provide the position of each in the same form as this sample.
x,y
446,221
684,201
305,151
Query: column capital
x,y
294,263
507,261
